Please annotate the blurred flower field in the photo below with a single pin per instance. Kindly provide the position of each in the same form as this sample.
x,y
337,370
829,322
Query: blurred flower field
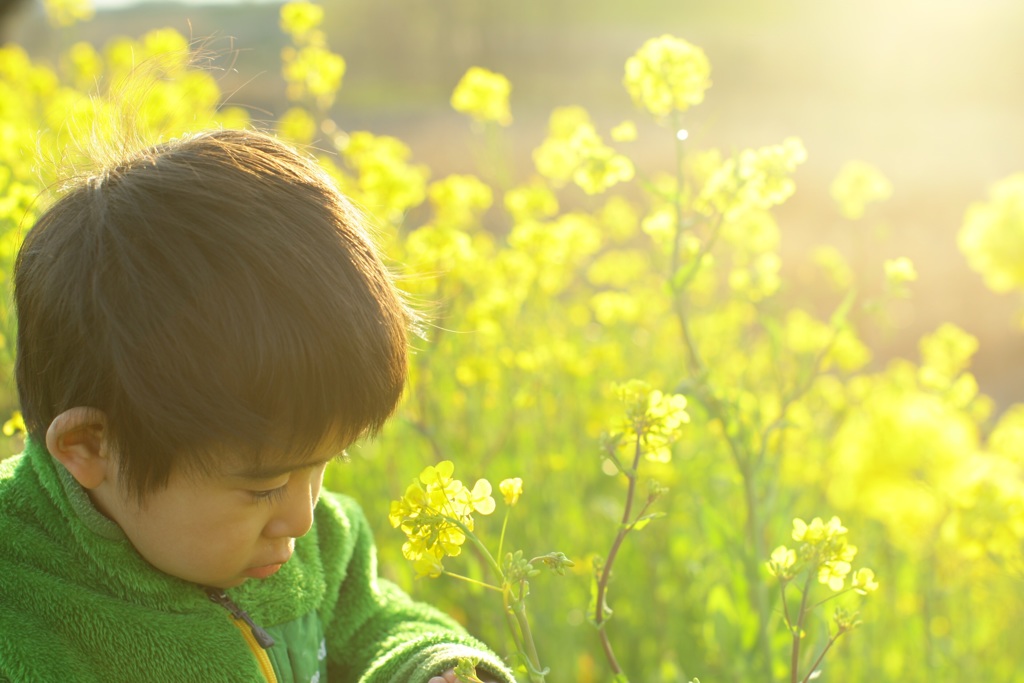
x,y
702,473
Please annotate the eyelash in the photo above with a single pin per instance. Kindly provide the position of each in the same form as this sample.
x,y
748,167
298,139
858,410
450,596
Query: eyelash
x,y
271,496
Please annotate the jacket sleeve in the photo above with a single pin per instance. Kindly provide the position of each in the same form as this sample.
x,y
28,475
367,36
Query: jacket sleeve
x,y
375,633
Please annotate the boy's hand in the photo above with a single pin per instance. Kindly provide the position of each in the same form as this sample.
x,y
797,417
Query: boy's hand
x,y
449,677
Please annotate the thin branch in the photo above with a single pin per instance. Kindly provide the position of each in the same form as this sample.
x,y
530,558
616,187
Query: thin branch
x,y
606,571
475,582
828,646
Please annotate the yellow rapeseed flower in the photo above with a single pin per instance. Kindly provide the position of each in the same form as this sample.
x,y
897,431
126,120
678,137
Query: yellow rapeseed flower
x,y
755,179
300,18
833,573
512,489
483,95
428,566
611,307
864,581
652,417
601,169
86,64
435,513
15,425
857,185
386,181
949,347
667,74
459,200
624,132
69,12
818,530
899,271
992,236
312,70
782,562
574,150
479,499
533,201
825,553
297,125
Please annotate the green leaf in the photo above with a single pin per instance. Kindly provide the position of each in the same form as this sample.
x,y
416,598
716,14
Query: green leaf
x,y
465,671
645,520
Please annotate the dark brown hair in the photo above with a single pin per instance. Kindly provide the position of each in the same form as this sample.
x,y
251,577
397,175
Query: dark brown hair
x,y
214,291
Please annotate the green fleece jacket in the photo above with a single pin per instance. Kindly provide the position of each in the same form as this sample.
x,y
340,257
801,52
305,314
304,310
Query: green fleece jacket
x,y
79,604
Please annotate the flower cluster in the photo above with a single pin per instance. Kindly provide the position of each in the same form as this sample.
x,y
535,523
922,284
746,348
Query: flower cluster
x,y
530,202
459,200
575,151
824,549
754,179
64,13
435,514
309,67
15,425
483,95
992,236
299,19
382,175
667,74
655,418
857,185
899,271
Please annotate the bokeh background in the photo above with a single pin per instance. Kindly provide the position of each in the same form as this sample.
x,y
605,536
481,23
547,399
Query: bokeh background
x,y
928,91
785,423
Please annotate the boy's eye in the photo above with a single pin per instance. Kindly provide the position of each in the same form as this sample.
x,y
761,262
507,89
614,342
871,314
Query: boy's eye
x,y
269,496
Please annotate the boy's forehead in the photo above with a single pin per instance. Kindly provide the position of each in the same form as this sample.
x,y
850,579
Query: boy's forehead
x,y
268,464
272,470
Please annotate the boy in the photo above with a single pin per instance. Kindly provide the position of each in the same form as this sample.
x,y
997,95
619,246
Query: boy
x,y
202,328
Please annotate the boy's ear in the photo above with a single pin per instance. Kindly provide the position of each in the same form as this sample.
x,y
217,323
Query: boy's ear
x,y
77,438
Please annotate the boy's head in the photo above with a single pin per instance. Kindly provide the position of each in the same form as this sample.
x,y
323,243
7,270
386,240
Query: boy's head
x,y
212,295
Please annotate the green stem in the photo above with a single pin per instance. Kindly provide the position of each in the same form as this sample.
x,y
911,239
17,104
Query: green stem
x,y
755,539
717,411
758,589
677,204
515,610
794,659
504,525
500,171
475,582
533,659
606,571
828,646
785,605
831,597
478,544
513,625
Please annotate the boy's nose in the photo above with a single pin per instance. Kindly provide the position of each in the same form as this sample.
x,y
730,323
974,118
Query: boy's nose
x,y
294,515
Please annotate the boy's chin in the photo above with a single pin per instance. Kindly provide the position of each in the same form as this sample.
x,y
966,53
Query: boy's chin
x,y
220,583
225,584
257,573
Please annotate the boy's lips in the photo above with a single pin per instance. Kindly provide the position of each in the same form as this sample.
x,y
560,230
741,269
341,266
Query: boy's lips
x,y
262,572
266,570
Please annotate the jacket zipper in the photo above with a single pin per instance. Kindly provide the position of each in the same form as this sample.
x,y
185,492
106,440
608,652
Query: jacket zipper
x,y
258,640
263,638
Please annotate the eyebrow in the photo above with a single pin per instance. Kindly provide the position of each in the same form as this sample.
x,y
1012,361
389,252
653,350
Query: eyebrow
x,y
272,471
